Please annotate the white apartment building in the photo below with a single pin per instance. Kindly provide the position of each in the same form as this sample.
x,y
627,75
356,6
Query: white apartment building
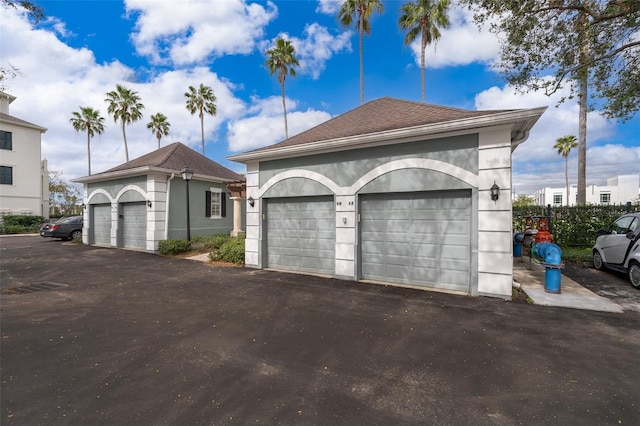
x,y
618,190
24,178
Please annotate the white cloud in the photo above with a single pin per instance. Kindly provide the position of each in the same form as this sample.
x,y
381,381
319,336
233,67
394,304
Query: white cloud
x,y
536,164
267,126
315,48
191,31
461,44
47,96
329,7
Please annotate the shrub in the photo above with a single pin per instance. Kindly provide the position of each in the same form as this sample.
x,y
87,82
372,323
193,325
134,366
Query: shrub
x,y
15,229
21,224
210,242
173,247
231,251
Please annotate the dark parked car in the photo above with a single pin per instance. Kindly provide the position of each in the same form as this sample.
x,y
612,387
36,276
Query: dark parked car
x,y
66,228
618,247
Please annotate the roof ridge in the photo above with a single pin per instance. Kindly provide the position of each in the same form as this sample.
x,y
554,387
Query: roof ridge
x,y
170,149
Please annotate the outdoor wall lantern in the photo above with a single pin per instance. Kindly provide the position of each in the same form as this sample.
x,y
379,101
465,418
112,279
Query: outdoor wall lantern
x,y
187,174
149,203
251,201
495,191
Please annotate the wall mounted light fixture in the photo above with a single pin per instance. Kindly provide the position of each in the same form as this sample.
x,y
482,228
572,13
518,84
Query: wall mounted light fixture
x,y
495,191
149,203
251,201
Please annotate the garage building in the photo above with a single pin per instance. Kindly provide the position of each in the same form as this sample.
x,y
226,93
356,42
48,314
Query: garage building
x,y
393,192
144,201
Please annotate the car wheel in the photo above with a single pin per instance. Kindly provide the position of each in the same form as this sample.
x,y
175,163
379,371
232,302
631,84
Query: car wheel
x,y
634,274
75,234
597,260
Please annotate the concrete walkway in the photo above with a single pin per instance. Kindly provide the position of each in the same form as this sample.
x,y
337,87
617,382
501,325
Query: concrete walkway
x,y
531,277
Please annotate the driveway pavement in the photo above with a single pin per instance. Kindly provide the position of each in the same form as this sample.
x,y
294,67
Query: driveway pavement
x,y
132,338
613,285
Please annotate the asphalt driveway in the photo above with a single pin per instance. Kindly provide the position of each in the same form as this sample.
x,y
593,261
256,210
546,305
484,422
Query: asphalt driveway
x,y
610,284
125,338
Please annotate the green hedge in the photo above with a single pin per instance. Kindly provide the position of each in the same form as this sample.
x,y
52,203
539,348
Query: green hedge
x,y
220,247
575,225
21,224
231,251
173,247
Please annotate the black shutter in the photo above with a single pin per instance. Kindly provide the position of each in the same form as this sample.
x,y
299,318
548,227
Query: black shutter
x,y
207,203
223,204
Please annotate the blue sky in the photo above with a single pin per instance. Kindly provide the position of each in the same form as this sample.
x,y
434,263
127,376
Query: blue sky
x,y
158,48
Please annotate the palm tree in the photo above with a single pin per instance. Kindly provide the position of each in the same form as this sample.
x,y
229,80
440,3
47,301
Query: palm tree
x,y
564,145
281,58
88,120
201,100
159,126
424,18
363,10
124,105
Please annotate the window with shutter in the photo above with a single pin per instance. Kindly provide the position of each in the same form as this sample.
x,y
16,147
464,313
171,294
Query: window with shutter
x,y
216,203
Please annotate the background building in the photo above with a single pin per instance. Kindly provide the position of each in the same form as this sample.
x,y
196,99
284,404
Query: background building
x,y
24,178
618,190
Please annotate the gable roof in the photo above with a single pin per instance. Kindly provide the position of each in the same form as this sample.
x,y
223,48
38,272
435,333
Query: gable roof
x,y
9,119
380,117
169,159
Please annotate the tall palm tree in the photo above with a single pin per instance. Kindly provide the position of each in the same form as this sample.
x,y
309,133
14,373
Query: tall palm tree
x,y
360,10
564,145
87,120
159,126
584,55
201,100
424,18
281,58
125,106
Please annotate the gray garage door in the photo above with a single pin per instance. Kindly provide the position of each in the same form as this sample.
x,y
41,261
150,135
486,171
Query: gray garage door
x,y
134,225
101,224
417,238
301,234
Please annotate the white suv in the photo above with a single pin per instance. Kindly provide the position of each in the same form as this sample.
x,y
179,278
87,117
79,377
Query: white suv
x,y
618,247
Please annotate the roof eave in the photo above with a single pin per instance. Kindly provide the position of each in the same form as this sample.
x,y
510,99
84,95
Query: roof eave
x,y
25,124
522,120
137,171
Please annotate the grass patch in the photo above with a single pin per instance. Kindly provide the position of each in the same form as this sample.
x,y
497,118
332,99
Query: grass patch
x,y
576,254
518,295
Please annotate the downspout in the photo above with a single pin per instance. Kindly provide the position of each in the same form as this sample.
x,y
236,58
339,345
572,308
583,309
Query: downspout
x,y
166,213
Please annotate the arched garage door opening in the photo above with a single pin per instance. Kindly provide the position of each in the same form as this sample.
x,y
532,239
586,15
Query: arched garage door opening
x,y
301,234
133,226
417,238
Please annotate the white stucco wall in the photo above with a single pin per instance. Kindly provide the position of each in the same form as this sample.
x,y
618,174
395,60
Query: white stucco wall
x,y
495,248
24,196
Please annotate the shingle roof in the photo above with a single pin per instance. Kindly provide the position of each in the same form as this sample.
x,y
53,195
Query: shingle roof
x,y
379,115
176,157
17,121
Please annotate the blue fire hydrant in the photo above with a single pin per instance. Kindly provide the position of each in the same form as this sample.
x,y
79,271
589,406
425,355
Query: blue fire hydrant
x,y
553,265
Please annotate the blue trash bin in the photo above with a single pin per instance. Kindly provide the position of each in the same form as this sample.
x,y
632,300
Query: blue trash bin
x,y
518,238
